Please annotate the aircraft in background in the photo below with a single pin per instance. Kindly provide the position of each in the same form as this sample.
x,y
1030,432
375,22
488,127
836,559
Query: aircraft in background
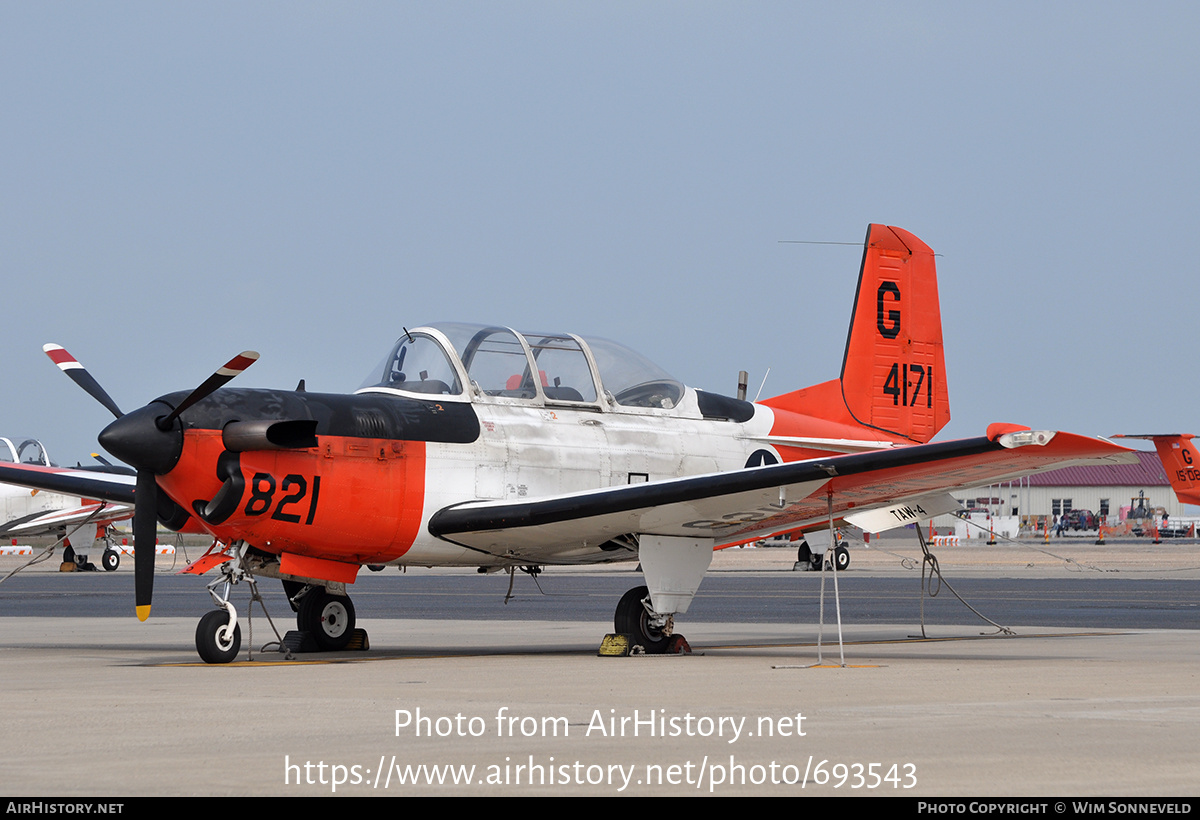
x,y
1179,460
482,446
26,513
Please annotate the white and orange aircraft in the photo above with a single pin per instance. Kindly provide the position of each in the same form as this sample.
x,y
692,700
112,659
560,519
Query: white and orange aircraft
x,y
487,447
79,522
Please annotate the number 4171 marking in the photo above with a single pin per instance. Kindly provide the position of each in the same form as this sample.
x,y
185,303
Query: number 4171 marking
x,y
898,382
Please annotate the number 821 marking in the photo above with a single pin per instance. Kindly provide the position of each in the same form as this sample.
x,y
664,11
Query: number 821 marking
x,y
294,487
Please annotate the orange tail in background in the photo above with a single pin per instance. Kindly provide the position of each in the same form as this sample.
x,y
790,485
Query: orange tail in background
x,y
1179,459
894,370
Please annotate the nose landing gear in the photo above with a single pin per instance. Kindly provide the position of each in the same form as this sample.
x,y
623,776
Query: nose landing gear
x,y
218,636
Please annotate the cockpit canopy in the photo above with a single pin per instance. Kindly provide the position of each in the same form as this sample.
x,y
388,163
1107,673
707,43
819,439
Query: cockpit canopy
x,y
451,359
21,450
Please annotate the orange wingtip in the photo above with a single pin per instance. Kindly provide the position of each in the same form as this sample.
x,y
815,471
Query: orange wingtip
x,y
143,612
999,428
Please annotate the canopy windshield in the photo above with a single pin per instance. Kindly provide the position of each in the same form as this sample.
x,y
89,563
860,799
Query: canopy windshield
x,y
417,364
21,450
506,364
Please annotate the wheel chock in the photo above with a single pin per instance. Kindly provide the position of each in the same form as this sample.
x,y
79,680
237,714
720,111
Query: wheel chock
x,y
616,645
678,645
297,642
68,566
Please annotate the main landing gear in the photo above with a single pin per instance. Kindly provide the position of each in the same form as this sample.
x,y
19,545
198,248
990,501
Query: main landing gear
x,y
328,619
841,555
673,567
75,562
636,618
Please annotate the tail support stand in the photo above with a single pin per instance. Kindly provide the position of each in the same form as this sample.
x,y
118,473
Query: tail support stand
x,y
836,597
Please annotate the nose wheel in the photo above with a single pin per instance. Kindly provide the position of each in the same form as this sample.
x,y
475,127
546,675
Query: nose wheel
x,y
219,634
841,557
216,640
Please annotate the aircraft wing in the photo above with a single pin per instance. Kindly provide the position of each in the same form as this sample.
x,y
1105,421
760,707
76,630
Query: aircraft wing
x,y
102,512
83,483
876,490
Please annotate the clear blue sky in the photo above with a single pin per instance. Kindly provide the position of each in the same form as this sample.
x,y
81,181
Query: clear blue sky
x,y
182,181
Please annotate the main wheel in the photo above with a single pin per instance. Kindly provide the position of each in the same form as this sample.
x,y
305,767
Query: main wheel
x,y
633,619
110,560
842,556
213,641
329,619
69,555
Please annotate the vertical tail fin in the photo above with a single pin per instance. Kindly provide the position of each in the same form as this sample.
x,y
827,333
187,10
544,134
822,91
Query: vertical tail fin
x,y
894,371
1179,459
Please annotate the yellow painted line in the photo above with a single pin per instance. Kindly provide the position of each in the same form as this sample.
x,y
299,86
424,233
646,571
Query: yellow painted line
x,y
698,651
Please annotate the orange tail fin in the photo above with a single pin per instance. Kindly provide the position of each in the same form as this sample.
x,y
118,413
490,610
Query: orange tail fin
x,y
894,371
1179,459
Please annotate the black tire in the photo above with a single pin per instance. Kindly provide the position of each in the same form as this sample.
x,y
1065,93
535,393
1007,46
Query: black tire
x,y
842,556
211,648
804,554
110,560
69,555
329,619
632,619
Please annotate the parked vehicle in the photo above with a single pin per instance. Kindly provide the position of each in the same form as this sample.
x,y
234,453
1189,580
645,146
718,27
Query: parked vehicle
x,y
1079,520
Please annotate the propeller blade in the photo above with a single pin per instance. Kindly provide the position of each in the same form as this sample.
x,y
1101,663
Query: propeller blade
x,y
78,374
145,536
223,376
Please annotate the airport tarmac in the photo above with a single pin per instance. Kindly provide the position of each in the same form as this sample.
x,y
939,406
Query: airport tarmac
x,y
111,707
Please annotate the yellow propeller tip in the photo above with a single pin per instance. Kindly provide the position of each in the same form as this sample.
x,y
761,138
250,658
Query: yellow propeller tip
x,y
143,612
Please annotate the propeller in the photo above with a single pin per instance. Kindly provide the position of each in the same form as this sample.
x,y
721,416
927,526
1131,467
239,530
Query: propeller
x,y
148,439
78,373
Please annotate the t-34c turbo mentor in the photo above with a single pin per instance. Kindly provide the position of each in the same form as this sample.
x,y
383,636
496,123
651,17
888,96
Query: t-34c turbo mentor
x,y
487,447
78,522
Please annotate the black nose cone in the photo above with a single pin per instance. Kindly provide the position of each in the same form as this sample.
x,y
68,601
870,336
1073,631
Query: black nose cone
x,y
135,439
